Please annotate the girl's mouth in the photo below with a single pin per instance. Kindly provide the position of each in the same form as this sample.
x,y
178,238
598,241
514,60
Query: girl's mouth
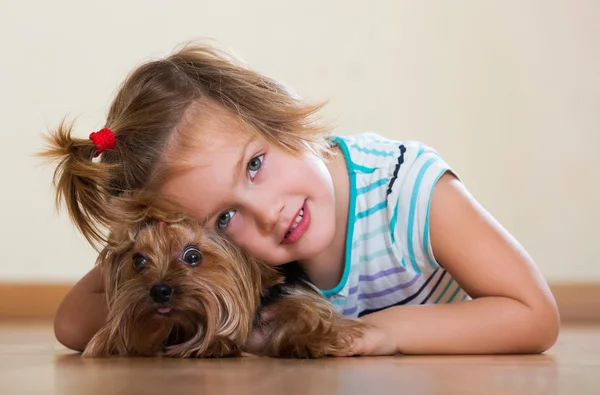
x,y
299,225
296,222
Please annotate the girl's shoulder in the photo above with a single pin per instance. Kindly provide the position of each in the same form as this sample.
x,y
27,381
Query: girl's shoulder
x,y
373,153
391,186
392,183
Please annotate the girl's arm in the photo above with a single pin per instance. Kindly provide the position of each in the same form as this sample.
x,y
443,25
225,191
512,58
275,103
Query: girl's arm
x,y
82,313
512,311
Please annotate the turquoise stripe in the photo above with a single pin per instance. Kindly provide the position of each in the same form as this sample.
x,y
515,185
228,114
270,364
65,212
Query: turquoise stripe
x,y
377,254
362,169
454,294
351,222
393,222
411,215
372,151
444,291
372,186
368,235
339,302
374,209
432,263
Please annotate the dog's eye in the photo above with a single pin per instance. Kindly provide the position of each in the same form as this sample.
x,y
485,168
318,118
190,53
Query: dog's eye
x,y
191,256
139,261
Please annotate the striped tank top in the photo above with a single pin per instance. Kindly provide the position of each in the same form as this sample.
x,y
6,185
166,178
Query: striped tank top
x,y
388,259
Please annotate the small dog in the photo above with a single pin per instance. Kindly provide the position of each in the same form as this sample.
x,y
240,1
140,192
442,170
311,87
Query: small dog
x,y
177,289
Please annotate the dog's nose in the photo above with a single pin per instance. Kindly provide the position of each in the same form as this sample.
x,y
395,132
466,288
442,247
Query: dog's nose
x,y
160,293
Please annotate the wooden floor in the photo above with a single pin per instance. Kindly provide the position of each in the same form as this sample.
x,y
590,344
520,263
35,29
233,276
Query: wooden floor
x,y
32,362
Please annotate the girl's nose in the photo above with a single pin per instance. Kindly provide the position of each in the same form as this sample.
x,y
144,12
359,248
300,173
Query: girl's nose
x,y
266,212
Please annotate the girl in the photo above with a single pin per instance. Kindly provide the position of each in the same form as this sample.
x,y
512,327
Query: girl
x,y
384,228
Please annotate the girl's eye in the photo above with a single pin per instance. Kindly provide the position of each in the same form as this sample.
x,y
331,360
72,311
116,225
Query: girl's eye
x,y
139,261
254,165
191,256
224,219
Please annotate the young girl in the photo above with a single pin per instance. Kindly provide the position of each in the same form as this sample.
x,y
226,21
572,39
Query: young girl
x,y
384,228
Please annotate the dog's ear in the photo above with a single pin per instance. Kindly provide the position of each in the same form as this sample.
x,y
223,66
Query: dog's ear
x,y
112,265
112,261
260,273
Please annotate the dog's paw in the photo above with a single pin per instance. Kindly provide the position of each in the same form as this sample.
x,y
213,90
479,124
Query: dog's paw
x,y
343,337
323,341
340,339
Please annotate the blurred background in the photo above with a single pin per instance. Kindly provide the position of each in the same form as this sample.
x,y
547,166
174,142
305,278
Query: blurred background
x,y
507,91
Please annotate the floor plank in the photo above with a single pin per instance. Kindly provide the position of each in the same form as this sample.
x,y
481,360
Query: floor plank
x,y
32,362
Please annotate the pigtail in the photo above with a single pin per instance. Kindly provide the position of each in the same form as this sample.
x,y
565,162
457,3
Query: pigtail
x,y
151,115
82,184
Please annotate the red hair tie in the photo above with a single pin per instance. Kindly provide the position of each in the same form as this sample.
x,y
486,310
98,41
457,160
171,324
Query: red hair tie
x,y
104,139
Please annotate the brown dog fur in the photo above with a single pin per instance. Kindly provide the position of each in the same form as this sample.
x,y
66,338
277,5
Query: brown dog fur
x,y
215,303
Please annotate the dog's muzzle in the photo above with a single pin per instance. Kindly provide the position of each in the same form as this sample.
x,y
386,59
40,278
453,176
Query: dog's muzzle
x,y
161,293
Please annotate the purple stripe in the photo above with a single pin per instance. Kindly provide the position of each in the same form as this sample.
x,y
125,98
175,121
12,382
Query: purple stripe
x,y
389,290
350,311
382,273
353,290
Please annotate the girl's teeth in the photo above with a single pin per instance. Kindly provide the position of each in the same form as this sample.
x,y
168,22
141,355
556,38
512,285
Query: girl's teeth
x,y
296,222
298,219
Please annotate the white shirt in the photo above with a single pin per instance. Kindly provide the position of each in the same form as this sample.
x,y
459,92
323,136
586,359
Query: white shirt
x,y
389,260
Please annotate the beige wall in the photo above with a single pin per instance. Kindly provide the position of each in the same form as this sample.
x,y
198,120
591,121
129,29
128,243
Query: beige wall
x,y
478,80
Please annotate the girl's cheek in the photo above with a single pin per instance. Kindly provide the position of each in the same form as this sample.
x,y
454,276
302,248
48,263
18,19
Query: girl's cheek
x,y
235,226
242,234
239,237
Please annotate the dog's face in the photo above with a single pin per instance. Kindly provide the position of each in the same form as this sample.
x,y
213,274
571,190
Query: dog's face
x,y
176,289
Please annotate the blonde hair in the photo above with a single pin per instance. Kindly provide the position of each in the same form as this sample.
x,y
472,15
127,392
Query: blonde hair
x,y
151,107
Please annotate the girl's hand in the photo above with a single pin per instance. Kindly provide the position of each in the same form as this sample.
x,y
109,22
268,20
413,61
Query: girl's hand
x,y
375,341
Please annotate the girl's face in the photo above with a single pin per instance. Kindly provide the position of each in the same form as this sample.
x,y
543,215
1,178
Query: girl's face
x,y
276,205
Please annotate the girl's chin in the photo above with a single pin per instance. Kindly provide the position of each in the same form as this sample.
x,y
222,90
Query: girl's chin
x,y
312,247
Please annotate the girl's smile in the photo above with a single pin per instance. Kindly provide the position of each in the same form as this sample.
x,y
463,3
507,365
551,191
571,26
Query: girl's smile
x,y
265,198
298,226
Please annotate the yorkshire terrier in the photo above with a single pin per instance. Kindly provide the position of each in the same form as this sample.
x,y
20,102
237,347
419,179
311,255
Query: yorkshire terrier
x,y
177,289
